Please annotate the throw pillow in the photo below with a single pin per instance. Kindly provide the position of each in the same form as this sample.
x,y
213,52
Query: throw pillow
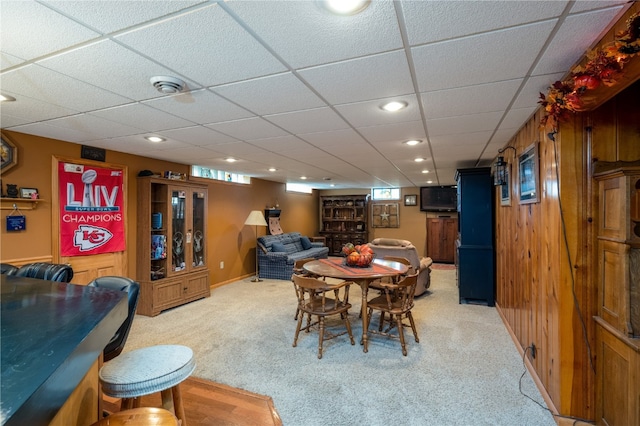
x,y
306,243
278,247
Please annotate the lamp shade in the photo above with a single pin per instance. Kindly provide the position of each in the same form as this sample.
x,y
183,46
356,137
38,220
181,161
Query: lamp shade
x,y
256,218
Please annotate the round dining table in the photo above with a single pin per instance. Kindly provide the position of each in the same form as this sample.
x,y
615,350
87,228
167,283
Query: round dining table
x,y
334,267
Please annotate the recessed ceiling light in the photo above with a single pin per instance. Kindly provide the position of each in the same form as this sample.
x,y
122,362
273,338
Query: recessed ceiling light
x,y
425,171
345,7
6,98
303,177
154,138
272,169
230,160
394,106
413,142
429,181
418,160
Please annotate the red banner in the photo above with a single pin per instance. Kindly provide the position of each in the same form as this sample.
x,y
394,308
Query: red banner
x,y
91,210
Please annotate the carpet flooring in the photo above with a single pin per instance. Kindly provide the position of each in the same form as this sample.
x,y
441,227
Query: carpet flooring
x,y
465,370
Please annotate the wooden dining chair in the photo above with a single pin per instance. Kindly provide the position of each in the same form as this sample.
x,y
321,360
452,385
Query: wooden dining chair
x,y
396,300
299,270
317,298
377,284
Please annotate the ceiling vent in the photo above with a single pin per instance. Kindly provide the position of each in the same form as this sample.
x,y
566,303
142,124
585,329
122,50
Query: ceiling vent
x,y
167,85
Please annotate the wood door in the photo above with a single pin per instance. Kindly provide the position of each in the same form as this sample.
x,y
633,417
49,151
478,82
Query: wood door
x,y
87,268
441,239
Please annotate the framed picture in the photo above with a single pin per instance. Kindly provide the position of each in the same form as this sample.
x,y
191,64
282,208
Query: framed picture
x,y
31,193
505,188
8,154
411,200
528,180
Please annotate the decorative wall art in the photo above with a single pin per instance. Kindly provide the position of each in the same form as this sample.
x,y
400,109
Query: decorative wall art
x,y
386,215
411,200
528,175
8,154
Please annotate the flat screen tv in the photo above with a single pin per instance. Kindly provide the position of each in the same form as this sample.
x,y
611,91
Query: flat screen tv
x,y
438,198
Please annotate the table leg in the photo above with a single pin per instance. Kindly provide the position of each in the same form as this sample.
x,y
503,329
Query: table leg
x,y
364,285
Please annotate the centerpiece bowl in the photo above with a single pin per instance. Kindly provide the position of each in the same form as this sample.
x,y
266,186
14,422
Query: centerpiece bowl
x,y
358,255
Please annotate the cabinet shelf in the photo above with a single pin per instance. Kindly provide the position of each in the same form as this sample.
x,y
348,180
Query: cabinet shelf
x,y
344,220
19,203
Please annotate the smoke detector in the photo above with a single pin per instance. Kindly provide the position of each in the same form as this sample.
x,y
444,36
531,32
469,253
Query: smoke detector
x,y
167,85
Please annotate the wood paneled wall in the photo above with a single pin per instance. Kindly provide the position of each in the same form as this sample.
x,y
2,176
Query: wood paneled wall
x,y
546,286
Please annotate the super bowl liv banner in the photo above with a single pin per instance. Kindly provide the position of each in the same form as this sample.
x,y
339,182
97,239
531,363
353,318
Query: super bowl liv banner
x,y
91,210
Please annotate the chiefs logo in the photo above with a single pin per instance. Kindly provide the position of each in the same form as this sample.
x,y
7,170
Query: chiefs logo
x,y
88,237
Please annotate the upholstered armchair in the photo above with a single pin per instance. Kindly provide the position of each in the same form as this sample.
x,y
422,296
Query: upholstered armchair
x,y
402,248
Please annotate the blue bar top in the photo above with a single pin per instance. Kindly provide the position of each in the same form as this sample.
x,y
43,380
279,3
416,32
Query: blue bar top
x,y
51,334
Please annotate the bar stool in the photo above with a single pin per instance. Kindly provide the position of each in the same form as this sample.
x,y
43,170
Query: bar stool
x,y
145,371
143,416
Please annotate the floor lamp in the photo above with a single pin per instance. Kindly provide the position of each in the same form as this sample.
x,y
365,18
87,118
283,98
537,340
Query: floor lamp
x,y
256,218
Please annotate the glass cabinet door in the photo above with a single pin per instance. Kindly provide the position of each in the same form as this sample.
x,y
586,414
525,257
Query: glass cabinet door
x,y
178,227
199,201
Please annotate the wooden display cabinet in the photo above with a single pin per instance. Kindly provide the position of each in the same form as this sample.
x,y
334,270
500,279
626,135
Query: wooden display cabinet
x,y
344,220
171,251
618,319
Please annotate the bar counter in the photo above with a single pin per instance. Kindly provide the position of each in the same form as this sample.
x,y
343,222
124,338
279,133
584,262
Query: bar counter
x,y
52,333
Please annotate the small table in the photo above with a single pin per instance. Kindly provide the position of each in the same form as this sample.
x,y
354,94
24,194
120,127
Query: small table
x,y
380,268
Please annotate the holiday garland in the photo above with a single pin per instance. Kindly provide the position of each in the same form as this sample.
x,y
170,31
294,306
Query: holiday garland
x,y
603,66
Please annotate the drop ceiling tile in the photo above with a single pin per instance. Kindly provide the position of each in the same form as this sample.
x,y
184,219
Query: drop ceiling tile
x,y
442,143
225,51
117,15
248,129
571,42
371,77
584,5
199,136
32,110
308,121
312,36
200,106
46,130
108,65
516,117
8,121
54,32
463,124
430,21
529,95
279,144
489,57
271,95
96,126
394,132
49,86
7,60
470,99
369,113
333,138
142,117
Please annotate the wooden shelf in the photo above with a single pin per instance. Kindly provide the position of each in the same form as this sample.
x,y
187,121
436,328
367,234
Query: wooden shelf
x,y
19,203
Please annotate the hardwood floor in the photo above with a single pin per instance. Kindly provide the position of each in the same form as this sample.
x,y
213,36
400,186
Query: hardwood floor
x,y
208,403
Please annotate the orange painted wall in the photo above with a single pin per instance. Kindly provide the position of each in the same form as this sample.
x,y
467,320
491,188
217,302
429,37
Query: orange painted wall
x,y
229,240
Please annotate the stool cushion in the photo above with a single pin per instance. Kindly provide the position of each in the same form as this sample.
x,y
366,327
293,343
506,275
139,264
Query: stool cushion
x,y
147,370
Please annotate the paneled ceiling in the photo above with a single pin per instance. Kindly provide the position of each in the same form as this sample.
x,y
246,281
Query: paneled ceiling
x,y
288,85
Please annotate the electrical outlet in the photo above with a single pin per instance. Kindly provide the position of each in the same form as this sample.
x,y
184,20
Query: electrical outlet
x,y
533,350
221,265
